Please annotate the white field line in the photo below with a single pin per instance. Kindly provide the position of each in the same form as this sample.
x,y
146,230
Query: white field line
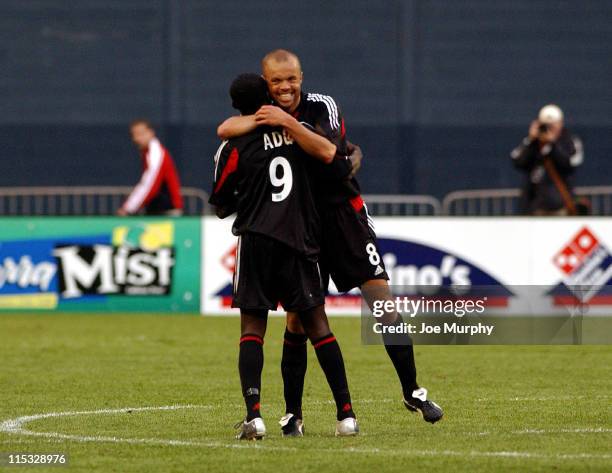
x,y
543,398
481,399
595,430
16,427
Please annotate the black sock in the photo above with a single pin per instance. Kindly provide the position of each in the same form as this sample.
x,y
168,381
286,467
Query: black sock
x,y
330,358
400,350
250,364
293,369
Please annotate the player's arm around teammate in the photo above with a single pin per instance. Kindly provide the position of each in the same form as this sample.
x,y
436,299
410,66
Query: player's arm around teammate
x,y
314,144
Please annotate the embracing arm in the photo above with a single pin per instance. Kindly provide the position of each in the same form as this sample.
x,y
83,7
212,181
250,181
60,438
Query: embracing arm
x,y
236,126
312,143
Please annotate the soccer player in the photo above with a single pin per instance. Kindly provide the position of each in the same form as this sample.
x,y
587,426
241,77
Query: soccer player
x,y
349,250
262,176
159,188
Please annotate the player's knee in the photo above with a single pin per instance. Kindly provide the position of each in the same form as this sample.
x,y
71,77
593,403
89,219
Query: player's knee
x,y
293,323
253,322
315,322
376,290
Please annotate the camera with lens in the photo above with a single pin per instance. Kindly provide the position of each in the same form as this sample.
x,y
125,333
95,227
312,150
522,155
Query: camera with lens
x,y
542,128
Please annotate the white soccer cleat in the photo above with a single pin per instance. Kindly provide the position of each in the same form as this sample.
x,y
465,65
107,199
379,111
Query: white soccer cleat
x,y
291,426
418,401
253,430
347,427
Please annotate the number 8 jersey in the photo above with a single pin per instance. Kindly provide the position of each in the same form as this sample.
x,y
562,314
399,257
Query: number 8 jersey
x,y
264,177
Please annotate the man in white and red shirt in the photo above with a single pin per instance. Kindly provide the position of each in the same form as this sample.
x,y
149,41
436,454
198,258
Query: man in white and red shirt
x,y
159,190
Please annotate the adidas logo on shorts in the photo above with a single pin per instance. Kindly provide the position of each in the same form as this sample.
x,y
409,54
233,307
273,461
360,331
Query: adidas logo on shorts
x,y
378,271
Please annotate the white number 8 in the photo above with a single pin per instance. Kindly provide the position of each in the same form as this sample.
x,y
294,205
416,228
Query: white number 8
x,y
285,182
374,257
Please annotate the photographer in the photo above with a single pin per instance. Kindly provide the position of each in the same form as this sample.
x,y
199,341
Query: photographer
x,y
548,155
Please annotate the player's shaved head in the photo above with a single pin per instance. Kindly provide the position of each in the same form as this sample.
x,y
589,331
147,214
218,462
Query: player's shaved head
x,y
283,72
280,55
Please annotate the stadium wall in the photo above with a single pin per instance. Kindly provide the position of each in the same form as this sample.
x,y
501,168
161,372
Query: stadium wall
x,y
426,86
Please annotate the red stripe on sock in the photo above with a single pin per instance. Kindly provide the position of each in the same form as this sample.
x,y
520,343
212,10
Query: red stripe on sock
x,y
325,341
252,338
256,407
293,344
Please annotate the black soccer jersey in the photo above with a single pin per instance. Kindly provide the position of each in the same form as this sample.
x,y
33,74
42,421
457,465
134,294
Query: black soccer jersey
x,y
322,114
263,175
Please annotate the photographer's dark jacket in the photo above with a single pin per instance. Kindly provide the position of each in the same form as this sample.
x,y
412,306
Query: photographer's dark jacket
x,y
539,191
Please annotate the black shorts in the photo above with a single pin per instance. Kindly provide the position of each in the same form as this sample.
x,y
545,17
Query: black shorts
x,y
268,272
349,251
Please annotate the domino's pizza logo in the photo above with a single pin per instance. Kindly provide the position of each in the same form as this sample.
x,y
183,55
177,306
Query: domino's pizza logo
x,y
573,256
417,268
586,266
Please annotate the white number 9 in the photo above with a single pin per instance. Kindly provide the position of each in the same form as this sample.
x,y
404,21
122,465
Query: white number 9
x,y
285,182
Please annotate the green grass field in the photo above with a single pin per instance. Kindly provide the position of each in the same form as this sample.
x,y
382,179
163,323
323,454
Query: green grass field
x,y
506,408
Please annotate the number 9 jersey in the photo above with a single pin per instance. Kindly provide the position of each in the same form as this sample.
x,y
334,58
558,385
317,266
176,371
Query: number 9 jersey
x,y
263,176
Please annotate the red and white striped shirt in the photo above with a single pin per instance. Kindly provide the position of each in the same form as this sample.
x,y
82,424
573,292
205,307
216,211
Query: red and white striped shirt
x,y
159,188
